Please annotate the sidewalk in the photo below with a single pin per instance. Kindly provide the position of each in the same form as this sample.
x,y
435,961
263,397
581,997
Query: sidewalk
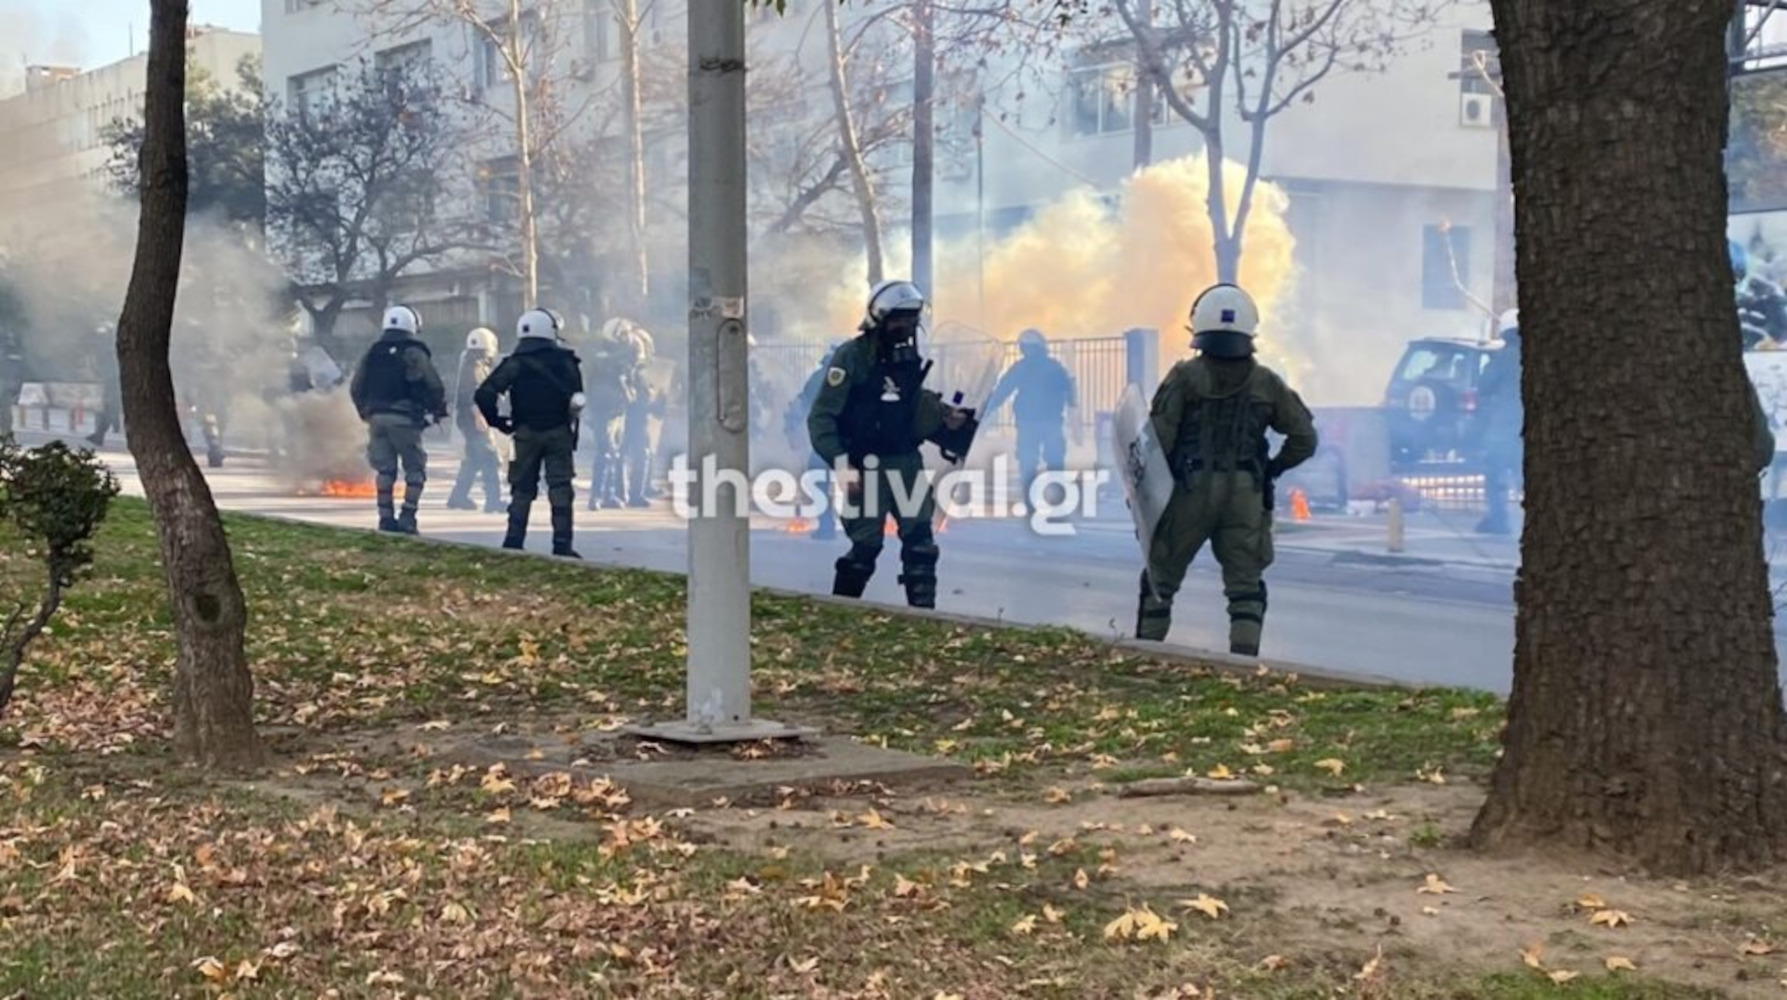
x,y
1429,537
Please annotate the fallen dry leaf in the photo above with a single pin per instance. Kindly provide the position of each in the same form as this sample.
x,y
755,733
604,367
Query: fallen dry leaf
x,y
1057,796
247,969
1610,918
1756,946
1619,963
1370,968
212,969
804,966
1533,955
1220,772
1025,925
1080,879
1435,886
1272,963
874,821
1179,836
1332,766
499,816
1052,915
1562,976
1590,901
180,892
1208,905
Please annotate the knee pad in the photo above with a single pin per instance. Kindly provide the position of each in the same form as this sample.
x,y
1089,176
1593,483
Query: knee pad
x,y
560,496
920,555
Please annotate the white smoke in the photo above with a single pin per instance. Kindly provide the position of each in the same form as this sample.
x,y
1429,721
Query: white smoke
x,y
34,37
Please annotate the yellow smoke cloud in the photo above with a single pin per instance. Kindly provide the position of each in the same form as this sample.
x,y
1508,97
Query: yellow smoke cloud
x,y
1080,268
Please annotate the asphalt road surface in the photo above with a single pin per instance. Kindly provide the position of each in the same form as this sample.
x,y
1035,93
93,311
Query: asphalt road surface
x,y
1442,624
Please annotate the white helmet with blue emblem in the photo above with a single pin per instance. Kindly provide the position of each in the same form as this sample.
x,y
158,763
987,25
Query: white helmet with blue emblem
x,y
1224,321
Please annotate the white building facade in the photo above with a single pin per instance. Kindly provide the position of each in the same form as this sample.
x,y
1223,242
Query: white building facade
x,y
1390,175
55,154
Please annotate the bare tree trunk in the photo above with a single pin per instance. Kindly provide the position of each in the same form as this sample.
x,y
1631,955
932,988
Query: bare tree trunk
x,y
1646,718
1144,97
17,644
851,148
524,157
924,142
1227,247
213,692
631,86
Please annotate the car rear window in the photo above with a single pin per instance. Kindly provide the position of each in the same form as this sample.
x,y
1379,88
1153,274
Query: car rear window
x,y
1442,364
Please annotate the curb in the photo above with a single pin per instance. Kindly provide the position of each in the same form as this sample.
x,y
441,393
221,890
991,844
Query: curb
x,y
1320,678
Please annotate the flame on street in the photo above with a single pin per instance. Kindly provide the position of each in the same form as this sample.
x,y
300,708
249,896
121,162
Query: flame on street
x,y
345,488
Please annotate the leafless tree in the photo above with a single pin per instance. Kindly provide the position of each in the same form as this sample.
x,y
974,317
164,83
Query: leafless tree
x,y
1260,58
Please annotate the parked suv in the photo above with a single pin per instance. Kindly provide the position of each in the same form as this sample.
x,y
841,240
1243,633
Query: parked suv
x,y
1431,402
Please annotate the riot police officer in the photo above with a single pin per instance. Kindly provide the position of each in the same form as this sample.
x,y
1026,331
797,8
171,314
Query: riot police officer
x,y
1210,416
1045,392
873,413
610,395
544,383
478,461
398,393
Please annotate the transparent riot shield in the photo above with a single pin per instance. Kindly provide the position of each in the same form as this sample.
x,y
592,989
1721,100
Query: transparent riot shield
x,y
1141,467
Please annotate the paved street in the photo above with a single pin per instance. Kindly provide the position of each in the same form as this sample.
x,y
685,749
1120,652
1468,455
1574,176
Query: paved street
x,y
1439,614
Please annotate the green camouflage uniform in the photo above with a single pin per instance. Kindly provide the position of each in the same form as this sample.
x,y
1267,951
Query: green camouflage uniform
x,y
1211,416
849,419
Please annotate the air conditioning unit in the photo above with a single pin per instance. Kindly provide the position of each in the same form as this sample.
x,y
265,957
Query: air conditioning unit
x,y
1476,110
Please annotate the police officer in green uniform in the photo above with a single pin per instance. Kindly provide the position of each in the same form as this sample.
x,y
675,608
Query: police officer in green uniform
x,y
398,393
1211,415
873,413
544,383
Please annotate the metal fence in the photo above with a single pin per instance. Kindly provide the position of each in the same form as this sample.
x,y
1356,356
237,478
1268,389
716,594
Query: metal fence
x,y
1100,367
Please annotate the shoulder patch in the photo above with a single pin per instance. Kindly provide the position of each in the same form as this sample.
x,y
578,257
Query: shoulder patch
x,y
835,377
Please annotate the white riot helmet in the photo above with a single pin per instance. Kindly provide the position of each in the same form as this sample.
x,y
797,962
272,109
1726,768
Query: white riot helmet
x,y
403,318
892,297
481,339
1224,321
540,323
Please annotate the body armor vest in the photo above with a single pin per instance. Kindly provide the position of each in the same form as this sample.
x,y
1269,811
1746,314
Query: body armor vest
x,y
1223,434
872,425
388,389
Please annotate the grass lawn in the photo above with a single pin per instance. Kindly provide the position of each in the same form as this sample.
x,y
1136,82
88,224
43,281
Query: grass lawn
x,y
372,862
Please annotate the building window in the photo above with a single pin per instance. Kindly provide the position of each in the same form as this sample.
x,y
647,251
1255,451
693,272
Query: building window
x,y
499,190
1103,100
601,31
300,6
1477,53
309,93
1445,264
405,60
492,63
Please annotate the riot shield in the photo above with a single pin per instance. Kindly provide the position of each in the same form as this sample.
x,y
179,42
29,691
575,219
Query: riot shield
x,y
966,365
325,374
1141,467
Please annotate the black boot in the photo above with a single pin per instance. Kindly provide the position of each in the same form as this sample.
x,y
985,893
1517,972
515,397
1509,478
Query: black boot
x,y
406,521
387,513
1154,616
852,578
921,591
517,535
561,533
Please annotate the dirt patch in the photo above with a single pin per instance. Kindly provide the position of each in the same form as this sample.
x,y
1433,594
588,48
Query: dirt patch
x,y
1324,880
